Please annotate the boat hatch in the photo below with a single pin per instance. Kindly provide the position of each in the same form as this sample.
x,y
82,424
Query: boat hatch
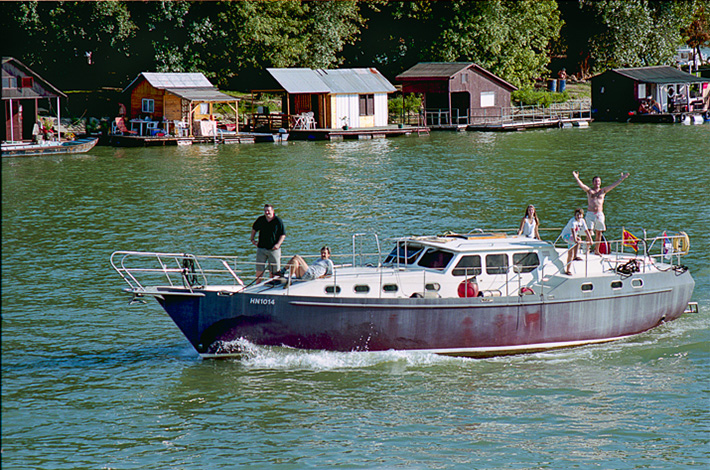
x,y
691,308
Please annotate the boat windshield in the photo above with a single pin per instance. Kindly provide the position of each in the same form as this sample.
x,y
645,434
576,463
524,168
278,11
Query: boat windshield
x,y
435,259
404,254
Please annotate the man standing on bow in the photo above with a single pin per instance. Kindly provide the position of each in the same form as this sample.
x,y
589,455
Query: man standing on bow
x,y
595,205
268,248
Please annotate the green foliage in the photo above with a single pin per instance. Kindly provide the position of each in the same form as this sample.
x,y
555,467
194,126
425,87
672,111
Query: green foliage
x,y
409,104
530,97
636,33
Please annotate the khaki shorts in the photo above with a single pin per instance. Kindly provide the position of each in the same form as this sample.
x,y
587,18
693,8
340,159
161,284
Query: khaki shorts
x,y
595,221
270,259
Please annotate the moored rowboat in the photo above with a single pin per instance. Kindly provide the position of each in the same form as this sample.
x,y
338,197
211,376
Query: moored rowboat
x,y
27,149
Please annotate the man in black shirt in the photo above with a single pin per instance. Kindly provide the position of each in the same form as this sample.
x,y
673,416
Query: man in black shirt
x,y
268,248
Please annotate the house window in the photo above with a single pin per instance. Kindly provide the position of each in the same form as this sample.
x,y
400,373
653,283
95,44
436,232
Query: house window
x,y
147,105
204,108
367,105
642,91
488,99
9,82
27,82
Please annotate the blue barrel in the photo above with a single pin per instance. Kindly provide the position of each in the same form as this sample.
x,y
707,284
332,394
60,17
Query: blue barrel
x,y
561,84
552,85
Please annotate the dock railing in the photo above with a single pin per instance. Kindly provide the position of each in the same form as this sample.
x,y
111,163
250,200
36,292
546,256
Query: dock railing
x,y
530,115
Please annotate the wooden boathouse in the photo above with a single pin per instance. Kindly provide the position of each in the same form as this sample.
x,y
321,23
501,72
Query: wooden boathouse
x,y
617,93
22,90
456,94
330,104
167,107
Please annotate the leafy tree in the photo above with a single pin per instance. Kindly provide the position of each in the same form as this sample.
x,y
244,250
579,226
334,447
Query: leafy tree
x,y
697,33
635,33
511,39
74,37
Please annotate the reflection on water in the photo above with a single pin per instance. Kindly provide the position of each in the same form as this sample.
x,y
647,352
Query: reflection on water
x,y
89,381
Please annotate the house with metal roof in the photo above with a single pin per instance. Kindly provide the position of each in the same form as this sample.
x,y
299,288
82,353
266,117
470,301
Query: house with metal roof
x,y
618,93
22,91
456,93
330,99
168,97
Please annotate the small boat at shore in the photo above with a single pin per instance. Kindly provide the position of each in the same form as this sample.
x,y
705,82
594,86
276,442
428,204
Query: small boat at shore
x,y
31,149
474,295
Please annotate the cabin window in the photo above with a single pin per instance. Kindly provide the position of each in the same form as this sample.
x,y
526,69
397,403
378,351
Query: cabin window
x,y
367,105
390,288
147,105
27,82
587,287
362,289
617,285
468,266
9,82
497,264
488,99
637,282
435,259
204,108
527,261
432,287
642,91
404,254
332,289
464,78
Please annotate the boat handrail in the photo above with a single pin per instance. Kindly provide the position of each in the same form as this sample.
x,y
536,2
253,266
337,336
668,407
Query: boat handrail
x,y
183,269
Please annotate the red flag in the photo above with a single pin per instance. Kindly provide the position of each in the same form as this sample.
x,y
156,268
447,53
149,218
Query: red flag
x,y
630,240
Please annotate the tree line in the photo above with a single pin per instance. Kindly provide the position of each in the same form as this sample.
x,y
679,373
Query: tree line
x,y
89,45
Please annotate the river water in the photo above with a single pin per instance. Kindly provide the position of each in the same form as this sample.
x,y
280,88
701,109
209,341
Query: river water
x,y
91,382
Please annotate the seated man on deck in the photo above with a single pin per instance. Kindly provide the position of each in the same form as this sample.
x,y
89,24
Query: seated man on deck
x,y
299,269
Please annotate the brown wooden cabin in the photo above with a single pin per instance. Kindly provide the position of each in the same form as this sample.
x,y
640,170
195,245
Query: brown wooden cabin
x,y
22,90
456,93
170,97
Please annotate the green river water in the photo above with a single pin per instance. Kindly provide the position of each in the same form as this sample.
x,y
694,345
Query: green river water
x,y
91,382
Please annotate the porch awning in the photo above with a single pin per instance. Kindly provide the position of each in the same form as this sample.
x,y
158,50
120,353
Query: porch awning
x,y
201,94
660,75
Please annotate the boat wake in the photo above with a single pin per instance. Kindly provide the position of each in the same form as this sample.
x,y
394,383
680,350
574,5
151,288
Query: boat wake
x,y
285,358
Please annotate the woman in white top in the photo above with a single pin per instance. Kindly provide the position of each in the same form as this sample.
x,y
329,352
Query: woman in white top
x,y
530,224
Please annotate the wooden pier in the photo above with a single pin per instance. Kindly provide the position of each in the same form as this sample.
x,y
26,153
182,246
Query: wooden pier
x,y
570,114
356,134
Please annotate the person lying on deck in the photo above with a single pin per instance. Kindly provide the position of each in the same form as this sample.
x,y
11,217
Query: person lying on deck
x,y
299,269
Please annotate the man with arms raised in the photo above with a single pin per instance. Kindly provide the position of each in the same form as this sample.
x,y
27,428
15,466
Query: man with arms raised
x,y
268,248
595,205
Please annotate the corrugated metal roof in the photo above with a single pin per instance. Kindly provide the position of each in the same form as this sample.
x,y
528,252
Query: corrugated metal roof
x,y
172,80
659,74
351,81
176,80
201,94
299,80
336,81
434,70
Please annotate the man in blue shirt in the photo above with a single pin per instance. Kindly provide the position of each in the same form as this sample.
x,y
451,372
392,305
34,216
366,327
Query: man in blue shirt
x,y
268,248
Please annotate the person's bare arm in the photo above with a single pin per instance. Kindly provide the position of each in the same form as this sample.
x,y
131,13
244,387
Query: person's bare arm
x,y
278,243
612,186
579,181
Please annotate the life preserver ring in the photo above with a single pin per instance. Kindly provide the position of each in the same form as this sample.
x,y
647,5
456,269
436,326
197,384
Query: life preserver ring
x,y
681,243
468,288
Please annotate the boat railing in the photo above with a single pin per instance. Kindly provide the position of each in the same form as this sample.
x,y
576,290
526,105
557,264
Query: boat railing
x,y
144,269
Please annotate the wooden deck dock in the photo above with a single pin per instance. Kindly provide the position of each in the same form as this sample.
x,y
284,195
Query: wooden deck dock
x,y
356,134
